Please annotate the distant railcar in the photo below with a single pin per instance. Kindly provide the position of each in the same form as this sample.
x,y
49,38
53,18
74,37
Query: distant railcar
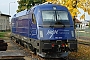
x,y
46,29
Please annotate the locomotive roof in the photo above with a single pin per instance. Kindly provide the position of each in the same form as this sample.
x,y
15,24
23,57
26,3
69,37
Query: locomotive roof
x,y
20,13
38,6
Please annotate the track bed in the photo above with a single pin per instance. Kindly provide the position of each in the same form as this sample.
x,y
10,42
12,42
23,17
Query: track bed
x,y
11,54
14,51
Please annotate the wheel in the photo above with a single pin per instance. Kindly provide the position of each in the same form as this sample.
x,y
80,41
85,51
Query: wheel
x,y
35,51
11,38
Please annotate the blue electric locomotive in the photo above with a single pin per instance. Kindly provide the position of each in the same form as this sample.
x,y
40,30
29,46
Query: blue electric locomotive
x,y
46,29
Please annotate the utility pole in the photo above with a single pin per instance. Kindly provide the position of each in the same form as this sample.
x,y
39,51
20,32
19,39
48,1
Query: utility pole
x,y
9,6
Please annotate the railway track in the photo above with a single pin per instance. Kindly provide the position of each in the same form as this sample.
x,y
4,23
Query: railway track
x,y
17,52
84,43
84,40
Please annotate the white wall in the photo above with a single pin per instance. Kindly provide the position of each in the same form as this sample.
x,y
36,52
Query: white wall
x,y
4,22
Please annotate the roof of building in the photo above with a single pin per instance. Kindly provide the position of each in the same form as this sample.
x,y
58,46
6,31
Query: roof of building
x,y
77,21
5,15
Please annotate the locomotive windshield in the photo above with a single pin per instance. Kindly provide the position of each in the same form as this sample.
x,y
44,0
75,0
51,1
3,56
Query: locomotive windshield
x,y
53,17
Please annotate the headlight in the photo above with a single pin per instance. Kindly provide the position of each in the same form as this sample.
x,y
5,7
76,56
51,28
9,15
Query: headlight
x,y
72,32
41,33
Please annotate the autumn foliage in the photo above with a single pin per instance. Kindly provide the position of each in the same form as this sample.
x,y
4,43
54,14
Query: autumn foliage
x,y
73,6
82,54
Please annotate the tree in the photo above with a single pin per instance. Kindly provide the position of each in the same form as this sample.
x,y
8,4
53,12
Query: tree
x,y
22,5
27,4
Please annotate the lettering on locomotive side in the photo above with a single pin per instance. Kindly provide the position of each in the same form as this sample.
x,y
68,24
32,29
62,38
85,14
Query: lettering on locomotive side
x,y
52,32
63,32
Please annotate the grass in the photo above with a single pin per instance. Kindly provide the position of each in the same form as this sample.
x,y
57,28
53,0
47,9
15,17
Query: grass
x,y
82,54
4,35
85,33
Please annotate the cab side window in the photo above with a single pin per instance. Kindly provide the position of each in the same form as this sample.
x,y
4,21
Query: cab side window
x,y
33,19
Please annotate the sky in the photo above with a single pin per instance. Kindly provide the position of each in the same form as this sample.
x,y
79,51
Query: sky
x,y
87,17
4,8
5,4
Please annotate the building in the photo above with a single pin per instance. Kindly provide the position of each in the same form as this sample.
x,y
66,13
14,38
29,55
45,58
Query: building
x,y
4,22
81,24
78,24
85,24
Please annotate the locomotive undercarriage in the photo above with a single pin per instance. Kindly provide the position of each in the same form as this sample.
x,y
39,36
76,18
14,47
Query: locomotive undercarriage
x,y
48,48
57,48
